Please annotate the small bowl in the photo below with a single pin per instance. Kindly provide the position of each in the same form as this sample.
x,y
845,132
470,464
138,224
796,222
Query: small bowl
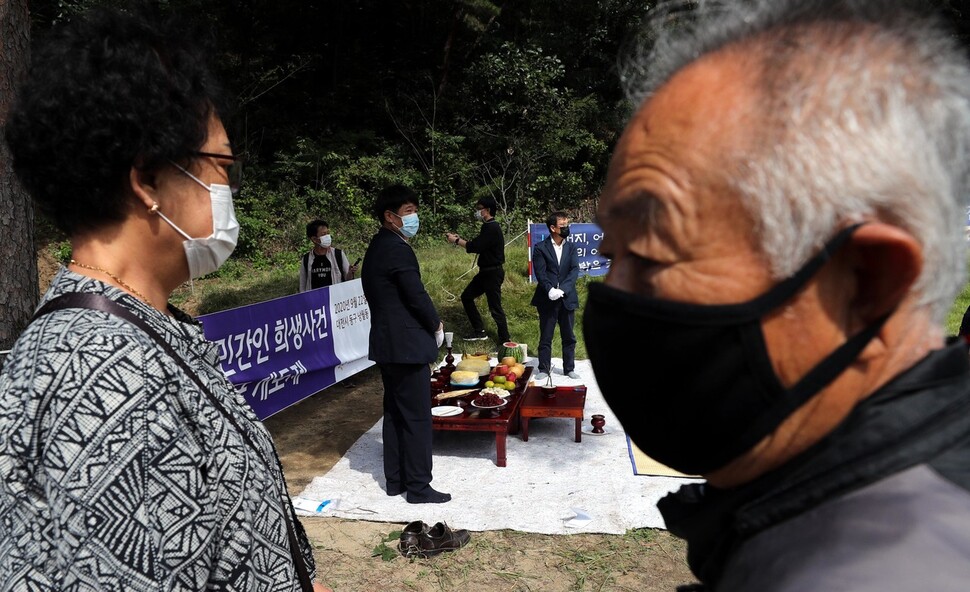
x,y
549,391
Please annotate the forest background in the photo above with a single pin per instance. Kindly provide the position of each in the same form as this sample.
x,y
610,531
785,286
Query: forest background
x,y
332,100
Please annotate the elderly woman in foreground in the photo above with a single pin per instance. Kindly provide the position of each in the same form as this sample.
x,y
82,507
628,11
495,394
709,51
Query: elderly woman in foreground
x,y
128,462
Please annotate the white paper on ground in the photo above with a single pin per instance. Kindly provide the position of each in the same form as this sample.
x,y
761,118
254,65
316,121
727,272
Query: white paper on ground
x,y
315,506
580,519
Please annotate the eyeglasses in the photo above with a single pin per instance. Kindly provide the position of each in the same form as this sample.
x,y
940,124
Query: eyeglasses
x,y
234,171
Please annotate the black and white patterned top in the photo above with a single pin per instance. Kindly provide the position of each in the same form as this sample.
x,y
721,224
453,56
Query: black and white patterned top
x,y
118,473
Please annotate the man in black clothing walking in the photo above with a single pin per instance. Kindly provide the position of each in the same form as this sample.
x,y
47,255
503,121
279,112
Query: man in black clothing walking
x,y
489,245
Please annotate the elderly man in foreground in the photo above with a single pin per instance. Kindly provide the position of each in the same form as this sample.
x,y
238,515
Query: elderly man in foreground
x,y
784,215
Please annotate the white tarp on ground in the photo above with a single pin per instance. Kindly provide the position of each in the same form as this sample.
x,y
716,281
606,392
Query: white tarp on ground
x,y
551,483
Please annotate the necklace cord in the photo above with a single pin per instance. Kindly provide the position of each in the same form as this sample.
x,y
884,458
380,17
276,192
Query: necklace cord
x,y
115,278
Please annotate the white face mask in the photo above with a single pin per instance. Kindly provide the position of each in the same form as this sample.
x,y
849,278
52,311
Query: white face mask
x,y
206,255
325,240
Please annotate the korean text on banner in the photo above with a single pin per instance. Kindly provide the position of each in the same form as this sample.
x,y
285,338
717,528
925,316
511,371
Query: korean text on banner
x,y
281,351
585,237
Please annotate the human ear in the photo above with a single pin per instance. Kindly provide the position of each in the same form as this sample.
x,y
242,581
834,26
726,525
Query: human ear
x,y
886,261
144,186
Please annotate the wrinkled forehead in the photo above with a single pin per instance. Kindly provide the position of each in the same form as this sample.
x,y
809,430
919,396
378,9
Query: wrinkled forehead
x,y
671,192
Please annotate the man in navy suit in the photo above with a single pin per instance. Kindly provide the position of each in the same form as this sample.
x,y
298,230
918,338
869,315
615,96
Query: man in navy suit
x,y
557,269
405,334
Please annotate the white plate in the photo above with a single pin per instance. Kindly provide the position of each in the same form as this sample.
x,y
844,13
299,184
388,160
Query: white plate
x,y
446,410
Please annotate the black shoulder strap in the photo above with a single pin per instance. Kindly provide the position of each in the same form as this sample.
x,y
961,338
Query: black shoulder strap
x,y
105,304
306,263
340,263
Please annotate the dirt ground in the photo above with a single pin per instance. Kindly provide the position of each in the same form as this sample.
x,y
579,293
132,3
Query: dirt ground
x,y
314,434
362,556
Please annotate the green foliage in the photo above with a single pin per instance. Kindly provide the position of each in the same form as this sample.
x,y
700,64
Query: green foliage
x,y
458,100
61,250
239,285
955,316
385,552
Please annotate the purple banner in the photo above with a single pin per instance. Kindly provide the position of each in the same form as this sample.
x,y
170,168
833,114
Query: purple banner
x,y
281,351
585,237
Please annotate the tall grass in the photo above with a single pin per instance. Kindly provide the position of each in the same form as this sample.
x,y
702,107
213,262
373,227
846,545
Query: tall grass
x,y
446,270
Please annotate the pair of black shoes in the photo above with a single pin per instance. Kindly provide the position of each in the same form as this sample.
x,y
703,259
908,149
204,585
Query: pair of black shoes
x,y
419,540
431,496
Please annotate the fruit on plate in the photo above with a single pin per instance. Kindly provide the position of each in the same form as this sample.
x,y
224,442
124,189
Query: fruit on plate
x,y
499,379
488,399
508,361
519,369
510,377
476,356
479,366
511,349
501,370
464,377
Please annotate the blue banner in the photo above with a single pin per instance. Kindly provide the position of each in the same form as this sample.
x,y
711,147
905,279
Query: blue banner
x,y
585,237
281,351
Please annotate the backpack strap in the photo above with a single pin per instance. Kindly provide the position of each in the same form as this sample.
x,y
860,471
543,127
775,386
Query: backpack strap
x,y
340,263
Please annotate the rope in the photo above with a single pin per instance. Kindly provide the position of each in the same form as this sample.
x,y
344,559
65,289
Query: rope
x,y
451,297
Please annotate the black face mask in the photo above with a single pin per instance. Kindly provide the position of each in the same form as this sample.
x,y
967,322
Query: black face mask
x,y
564,231
697,389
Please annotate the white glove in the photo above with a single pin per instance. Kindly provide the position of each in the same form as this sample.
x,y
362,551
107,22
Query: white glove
x,y
439,336
555,293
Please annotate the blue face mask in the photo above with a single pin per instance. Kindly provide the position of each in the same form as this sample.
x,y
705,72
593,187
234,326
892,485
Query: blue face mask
x,y
411,224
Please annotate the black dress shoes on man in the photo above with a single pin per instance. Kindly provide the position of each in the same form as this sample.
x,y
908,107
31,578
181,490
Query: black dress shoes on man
x,y
430,496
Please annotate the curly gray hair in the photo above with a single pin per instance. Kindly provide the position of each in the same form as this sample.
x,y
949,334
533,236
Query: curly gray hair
x,y
863,109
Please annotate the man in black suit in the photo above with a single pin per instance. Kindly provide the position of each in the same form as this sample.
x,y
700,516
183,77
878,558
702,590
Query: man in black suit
x,y
489,246
557,269
405,335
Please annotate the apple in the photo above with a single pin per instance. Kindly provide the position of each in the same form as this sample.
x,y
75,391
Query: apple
x,y
510,377
501,370
500,379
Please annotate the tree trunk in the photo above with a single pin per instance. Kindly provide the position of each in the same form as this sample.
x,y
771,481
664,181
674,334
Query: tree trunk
x,y
18,260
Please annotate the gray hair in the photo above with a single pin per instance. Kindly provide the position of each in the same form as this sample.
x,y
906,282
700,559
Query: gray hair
x,y
863,111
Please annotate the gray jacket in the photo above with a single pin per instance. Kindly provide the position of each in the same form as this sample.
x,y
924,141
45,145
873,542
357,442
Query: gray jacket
x,y
882,504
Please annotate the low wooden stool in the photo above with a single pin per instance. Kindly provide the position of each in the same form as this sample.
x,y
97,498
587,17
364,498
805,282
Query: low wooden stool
x,y
569,401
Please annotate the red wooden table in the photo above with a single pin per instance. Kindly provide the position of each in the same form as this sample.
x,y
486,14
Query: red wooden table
x,y
569,401
503,421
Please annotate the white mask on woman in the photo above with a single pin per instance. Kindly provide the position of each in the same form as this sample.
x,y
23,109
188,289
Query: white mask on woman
x,y
206,255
